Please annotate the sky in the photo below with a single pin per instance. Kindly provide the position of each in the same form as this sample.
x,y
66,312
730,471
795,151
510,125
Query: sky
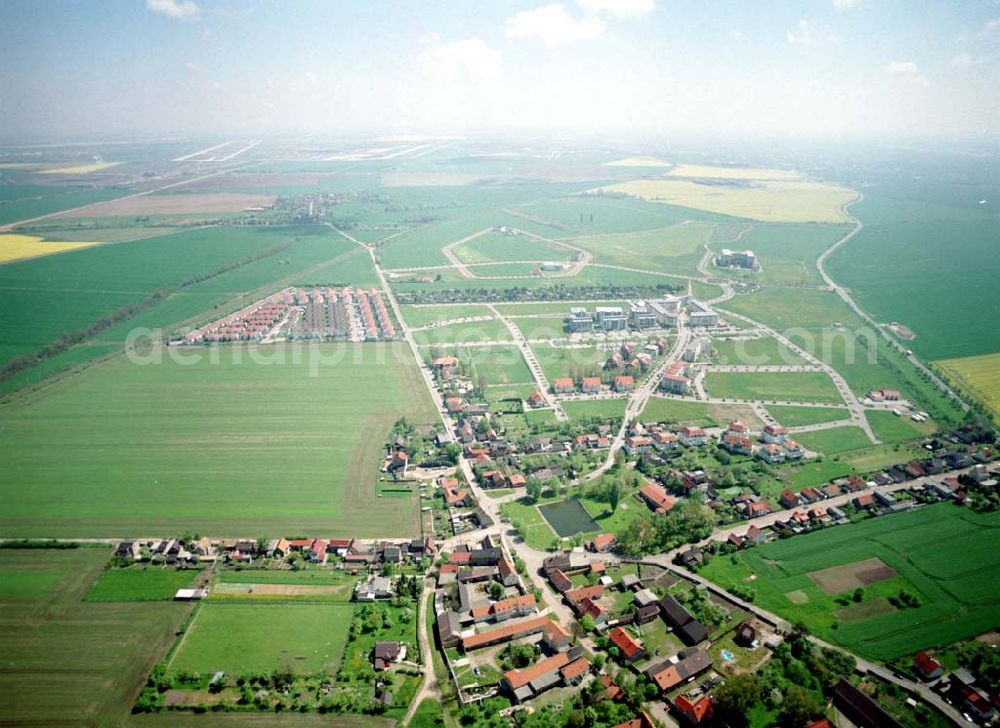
x,y
605,68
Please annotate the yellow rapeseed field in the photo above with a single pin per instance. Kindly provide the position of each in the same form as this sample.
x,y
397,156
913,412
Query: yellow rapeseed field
x,y
978,374
20,247
706,171
80,168
639,162
763,200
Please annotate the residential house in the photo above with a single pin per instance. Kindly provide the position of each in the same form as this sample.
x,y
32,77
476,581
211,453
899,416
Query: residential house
x,y
625,383
384,654
560,582
864,502
597,612
555,637
637,445
630,648
927,666
694,710
668,675
375,588
788,499
793,450
506,633
737,444
756,509
601,543
774,434
317,551
772,454
656,498
664,441
590,385
692,436
131,550
536,399
563,385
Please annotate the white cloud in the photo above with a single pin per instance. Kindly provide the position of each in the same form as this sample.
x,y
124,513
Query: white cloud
x,y
844,4
906,71
618,8
429,39
180,9
990,27
469,59
961,60
192,66
553,25
803,34
311,76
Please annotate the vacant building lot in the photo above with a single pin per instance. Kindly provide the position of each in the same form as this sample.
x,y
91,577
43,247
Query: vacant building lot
x,y
784,386
264,444
812,578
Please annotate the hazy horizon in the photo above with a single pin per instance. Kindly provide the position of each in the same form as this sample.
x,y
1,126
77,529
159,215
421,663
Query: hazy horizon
x,y
641,69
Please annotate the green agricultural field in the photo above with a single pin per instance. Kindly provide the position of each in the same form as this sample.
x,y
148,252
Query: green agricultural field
x,y
230,448
22,202
834,440
958,267
957,599
607,409
497,246
104,650
576,362
245,638
140,584
754,351
800,416
674,249
793,386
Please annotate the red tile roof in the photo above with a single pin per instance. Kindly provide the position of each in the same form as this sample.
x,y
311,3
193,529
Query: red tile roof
x,y
520,678
624,642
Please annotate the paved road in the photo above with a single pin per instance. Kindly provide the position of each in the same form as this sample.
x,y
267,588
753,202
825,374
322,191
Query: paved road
x,y
536,369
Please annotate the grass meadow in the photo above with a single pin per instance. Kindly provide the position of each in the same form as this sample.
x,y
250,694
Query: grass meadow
x,y
234,448
958,599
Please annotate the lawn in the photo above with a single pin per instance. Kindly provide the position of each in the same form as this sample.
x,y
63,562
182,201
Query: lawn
x,y
790,416
266,448
528,520
103,651
243,638
834,440
139,584
499,365
788,386
957,598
